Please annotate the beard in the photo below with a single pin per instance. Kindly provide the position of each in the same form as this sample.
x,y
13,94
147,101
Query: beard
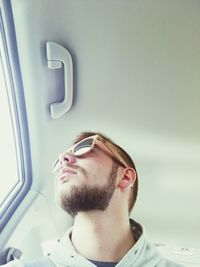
x,y
84,198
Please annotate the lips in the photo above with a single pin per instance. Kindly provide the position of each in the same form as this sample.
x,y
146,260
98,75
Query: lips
x,y
65,173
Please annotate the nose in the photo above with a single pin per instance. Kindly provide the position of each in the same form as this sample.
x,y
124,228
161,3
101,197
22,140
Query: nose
x,y
67,157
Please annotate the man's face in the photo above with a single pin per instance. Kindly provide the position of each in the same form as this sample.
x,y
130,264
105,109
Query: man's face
x,y
86,183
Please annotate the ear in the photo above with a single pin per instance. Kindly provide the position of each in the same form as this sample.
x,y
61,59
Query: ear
x,y
127,179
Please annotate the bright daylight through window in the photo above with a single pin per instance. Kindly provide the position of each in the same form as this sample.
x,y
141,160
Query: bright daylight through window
x,y
9,169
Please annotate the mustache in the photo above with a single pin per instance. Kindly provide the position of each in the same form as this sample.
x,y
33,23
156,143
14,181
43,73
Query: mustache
x,y
73,167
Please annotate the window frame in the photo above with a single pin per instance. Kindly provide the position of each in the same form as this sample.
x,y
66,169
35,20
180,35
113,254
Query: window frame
x,y
18,114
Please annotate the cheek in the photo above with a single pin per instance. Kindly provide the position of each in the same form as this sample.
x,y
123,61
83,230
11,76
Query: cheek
x,y
99,174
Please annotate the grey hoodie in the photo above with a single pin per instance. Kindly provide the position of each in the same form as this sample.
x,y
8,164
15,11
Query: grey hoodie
x,y
142,254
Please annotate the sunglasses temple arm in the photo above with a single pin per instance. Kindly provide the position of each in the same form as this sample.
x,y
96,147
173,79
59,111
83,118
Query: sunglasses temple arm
x,y
118,157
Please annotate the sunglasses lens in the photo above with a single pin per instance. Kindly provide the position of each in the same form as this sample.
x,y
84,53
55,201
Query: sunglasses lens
x,y
83,147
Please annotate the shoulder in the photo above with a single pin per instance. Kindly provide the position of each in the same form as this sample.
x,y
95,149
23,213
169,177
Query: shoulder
x,y
168,263
43,262
14,263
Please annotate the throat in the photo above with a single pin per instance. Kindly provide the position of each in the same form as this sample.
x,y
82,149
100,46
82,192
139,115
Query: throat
x,y
107,244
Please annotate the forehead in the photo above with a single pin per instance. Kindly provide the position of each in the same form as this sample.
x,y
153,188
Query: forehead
x,y
83,136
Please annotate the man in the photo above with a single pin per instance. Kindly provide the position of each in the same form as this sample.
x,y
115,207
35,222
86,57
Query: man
x,y
97,182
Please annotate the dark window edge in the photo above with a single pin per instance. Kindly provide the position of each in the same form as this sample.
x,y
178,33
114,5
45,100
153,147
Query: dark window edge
x,y
20,116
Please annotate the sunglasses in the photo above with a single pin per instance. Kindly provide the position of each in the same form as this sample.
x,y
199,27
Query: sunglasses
x,y
86,145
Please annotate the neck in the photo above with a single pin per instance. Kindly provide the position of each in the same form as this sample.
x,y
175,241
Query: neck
x,y
102,237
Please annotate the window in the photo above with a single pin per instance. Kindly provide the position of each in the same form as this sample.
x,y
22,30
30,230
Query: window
x,y
15,172
8,156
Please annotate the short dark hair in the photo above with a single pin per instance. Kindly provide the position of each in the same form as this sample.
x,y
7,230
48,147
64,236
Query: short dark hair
x,y
124,155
